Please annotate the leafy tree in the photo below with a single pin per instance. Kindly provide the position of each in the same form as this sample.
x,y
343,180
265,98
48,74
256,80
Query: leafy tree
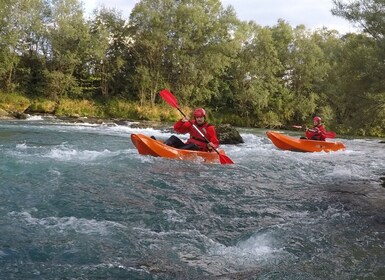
x,y
304,69
360,83
69,39
281,101
110,52
8,44
283,37
252,74
367,56
368,14
307,68
331,100
181,44
149,31
21,34
204,46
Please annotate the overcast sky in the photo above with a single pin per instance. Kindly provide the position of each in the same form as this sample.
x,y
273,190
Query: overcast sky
x,y
312,13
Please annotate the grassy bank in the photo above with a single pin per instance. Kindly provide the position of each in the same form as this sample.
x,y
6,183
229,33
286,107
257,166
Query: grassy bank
x,y
14,104
114,108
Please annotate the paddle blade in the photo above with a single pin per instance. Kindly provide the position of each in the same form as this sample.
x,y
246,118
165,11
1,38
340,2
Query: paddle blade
x,y
225,159
169,98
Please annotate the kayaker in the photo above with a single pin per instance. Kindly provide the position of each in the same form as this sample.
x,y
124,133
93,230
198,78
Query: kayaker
x,y
196,141
318,131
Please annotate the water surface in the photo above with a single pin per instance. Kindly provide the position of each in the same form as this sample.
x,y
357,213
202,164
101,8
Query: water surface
x,y
78,202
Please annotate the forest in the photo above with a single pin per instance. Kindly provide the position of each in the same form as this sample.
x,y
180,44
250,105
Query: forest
x,y
56,59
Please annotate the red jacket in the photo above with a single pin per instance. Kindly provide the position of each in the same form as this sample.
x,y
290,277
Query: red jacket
x,y
208,130
316,133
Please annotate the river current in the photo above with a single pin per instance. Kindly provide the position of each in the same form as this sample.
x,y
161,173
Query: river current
x,y
77,201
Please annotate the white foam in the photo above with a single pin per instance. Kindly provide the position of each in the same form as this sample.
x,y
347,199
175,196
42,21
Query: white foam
x,y
248,251
120,130
63,224
34,118
348,172
173,216
21,146
67,154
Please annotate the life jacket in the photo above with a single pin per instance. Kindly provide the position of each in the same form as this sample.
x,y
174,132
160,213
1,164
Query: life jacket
x,y
316,133
208,130
196,138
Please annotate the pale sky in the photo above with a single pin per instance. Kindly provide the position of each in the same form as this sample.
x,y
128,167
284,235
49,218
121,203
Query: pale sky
x,y
312,13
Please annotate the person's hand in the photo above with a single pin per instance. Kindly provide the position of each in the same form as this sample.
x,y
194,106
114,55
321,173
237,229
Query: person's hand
x,y
185,119
210,146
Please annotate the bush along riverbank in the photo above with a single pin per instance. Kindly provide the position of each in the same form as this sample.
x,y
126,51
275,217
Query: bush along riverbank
x,y
116,112
18,106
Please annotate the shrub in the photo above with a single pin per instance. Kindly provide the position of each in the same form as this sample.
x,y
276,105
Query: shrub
x,y
42,106
14,102
120,108
76,108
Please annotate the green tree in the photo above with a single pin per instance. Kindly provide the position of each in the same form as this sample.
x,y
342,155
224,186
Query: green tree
x,y
21,34
306,68
331,100
204,46
8,43
360,84
368,14
367,60
252,74
110,52
184,45
69,39
281,103
149,31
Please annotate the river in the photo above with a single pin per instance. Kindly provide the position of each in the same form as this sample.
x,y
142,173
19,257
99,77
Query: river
x,y
78,202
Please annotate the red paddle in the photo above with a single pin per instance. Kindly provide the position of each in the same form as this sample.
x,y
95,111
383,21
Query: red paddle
x,y
329,134
170,99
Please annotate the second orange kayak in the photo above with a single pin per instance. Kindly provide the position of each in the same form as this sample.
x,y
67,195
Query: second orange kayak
x,y
285,142
148,146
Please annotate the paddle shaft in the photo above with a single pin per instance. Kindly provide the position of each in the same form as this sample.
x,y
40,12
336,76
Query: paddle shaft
x,y
170,99
327,134
197,129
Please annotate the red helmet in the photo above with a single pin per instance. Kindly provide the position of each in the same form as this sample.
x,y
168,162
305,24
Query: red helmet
x,y
317,119
199,112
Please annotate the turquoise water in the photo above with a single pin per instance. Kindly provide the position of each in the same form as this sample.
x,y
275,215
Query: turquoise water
x,y
78,202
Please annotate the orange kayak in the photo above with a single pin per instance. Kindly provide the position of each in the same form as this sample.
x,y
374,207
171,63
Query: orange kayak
x,y
285,142
148,146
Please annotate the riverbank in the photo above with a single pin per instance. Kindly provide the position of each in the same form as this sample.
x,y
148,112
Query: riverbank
x,y
227,134
20,106
17,106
